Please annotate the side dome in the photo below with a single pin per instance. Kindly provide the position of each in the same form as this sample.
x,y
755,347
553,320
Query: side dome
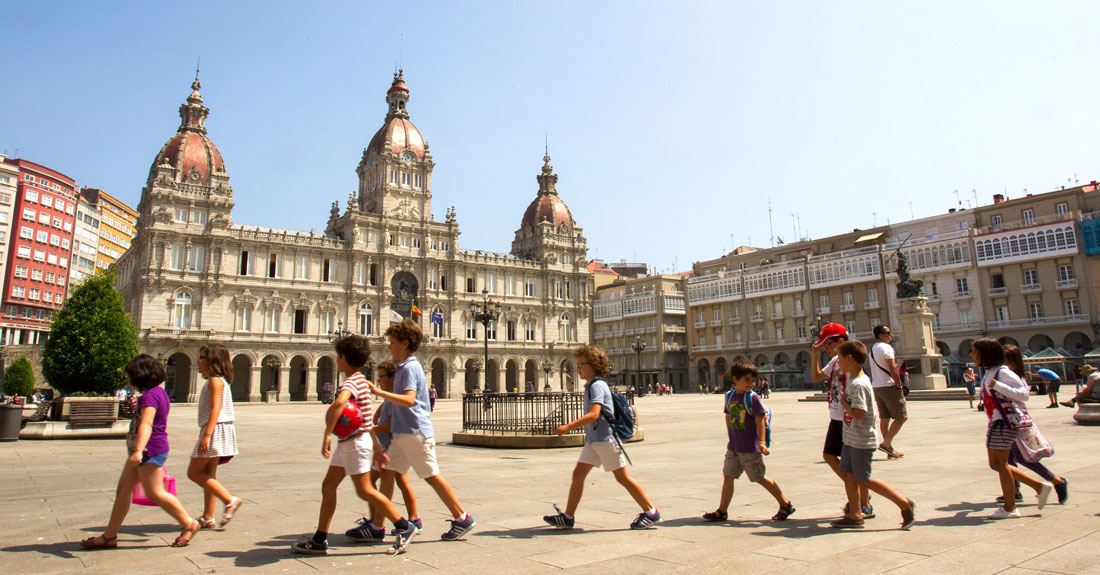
x,y
193,155
548,206
398,133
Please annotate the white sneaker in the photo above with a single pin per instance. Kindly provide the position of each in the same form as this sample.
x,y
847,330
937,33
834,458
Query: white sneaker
x,y
1044,494
1002,513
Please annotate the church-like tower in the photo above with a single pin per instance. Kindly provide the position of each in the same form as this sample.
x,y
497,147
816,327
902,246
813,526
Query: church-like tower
x,y
548,231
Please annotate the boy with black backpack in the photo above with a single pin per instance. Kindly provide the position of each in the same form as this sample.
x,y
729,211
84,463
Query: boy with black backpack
x,y
748,424
602,446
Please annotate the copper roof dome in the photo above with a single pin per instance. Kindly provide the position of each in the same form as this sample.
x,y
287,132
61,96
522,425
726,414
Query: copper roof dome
x,y
193,155
548,207
398,133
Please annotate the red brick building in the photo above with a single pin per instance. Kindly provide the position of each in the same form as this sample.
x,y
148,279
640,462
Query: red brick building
x,y
37,272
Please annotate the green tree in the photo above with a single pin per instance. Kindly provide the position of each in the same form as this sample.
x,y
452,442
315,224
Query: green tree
x,y
19,377
91,340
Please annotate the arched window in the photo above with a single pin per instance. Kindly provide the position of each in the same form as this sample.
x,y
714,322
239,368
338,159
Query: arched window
x,y
366,319
437,322
563,328
181,313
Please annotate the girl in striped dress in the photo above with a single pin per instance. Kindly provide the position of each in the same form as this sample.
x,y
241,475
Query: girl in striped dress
x,y
218,436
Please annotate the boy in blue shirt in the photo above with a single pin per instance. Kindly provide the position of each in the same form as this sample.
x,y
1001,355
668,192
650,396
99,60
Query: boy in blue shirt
x,y
747,428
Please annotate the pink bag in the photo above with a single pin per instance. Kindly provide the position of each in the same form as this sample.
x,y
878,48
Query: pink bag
x,y
140,498
1033,445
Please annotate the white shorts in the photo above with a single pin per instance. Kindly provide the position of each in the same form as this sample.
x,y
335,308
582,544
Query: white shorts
x,y
416,452
354,454
606,454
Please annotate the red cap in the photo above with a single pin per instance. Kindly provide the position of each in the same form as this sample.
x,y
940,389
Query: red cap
x,y
832,330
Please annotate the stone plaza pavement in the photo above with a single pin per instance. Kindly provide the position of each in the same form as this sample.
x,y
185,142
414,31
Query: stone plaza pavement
x,y
54,493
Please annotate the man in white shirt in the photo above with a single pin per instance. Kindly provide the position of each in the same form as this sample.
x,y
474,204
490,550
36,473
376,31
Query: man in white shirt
x,y
889,397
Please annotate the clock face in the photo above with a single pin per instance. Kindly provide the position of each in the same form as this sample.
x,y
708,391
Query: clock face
x,y
408,157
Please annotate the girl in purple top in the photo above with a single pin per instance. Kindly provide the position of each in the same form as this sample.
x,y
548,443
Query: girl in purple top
x,y
147,443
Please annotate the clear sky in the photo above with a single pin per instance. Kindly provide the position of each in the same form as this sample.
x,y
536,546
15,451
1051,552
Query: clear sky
x,y
670,124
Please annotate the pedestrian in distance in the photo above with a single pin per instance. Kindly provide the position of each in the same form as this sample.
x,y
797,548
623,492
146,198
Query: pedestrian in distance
x,y
432,395
860,440
1003,391
413,444
1053,382
1091,390
147,442
353,454
746,426
217,442
969,377
889,390
600,448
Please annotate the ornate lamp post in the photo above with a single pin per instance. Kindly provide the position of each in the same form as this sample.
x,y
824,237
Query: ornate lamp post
x,y
475,364
339,332
272,389
485,313
638,347
546,367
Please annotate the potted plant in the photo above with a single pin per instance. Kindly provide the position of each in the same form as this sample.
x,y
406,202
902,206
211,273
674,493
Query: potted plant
x,y
18,383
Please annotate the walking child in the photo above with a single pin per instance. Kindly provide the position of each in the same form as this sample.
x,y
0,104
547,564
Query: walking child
x,y
382,418
147,443
600,448
746,427
861,440
413,444
217,442
353,453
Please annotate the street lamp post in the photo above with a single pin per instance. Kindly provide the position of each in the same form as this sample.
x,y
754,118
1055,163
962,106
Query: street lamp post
x,y
339,332
638,347
485,313
546,367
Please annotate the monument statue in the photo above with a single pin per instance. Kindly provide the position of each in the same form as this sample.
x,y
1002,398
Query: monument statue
x,y
907,286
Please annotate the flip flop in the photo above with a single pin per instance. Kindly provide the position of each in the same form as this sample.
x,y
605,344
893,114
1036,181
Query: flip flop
x,y
194,530
105,543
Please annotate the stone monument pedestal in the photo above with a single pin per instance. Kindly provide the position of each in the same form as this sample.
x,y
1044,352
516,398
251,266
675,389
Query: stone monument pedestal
x,y
918,345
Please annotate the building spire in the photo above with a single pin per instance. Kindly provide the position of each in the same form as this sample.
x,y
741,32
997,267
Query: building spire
x,y
398,96
192,113
548,180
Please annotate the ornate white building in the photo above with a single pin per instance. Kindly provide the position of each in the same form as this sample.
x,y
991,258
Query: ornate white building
x,y
273,296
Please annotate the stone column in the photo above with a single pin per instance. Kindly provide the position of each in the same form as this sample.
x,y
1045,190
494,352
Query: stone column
x,y
918,345
193,385
284,384
311,383
255,374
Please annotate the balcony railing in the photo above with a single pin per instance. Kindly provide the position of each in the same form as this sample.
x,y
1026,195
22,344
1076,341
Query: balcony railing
x,y
675,329
735,320
799,313
715,322
629,331
847,307
823,310
757,317
710,347
875,304
997,292
1066,284
777,316
700,324
1032,321
962,295
945,328
651,329
1031,288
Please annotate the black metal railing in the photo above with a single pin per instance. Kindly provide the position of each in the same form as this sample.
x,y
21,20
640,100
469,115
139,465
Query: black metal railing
x,y
537,413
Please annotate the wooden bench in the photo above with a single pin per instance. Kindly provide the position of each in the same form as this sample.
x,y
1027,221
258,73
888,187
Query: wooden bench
x,y
92,413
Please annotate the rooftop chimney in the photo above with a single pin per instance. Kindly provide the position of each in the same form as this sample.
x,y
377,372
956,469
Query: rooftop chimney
x,y
998,198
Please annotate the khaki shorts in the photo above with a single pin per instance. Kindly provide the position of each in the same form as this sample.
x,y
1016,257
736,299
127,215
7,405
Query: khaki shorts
x,y
891,403
416,452
750,463
606,454
354,454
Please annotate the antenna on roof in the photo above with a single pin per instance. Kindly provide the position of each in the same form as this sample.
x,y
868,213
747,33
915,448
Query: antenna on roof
x,y
198,60
546,138
401,54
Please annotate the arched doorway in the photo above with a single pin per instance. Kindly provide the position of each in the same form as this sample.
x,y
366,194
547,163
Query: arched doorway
x,y
531,374
782,359
269,375
964,348
943,349
326,373
242,375
178,384
760,360
511,377
567,375
439,377
1006,340
471,375
720,369
492,377
298,365
404,288
703,368
1039,342
1077,343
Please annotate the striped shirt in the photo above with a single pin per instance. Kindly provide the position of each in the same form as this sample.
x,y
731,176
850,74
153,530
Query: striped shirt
x,y
360,394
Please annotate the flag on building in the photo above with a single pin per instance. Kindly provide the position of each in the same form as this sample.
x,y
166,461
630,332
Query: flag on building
x,y
395,317
416,312
437,317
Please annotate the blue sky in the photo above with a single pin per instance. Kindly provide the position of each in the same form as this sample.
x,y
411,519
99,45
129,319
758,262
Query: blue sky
x,y
670,124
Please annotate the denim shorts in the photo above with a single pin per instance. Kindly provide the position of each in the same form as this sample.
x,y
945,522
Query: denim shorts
x,y
157,460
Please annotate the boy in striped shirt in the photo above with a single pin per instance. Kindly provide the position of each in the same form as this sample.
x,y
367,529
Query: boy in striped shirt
x,y
353,453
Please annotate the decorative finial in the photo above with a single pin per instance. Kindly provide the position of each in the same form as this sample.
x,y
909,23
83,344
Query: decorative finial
x,y
196,84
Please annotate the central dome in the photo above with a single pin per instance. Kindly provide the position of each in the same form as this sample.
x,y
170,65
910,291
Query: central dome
x,y
398,133
190,151
547,206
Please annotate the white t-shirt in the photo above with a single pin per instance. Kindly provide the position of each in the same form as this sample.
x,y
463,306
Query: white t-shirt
x,y
881,352
837,384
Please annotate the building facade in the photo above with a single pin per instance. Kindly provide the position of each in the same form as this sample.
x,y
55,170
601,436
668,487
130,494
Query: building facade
x,y
639,323
117,226
9,187
275,297
37,274
85,240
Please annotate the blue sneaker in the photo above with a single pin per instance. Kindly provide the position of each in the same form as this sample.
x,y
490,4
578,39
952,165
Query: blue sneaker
x,y
403,538
868,511
645,520
559,521
459,528
365,533
417,522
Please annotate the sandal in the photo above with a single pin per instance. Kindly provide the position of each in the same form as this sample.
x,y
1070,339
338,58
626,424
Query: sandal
x,y
716,515
194,530
890,452
785,511
104,542
205,523
231,509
